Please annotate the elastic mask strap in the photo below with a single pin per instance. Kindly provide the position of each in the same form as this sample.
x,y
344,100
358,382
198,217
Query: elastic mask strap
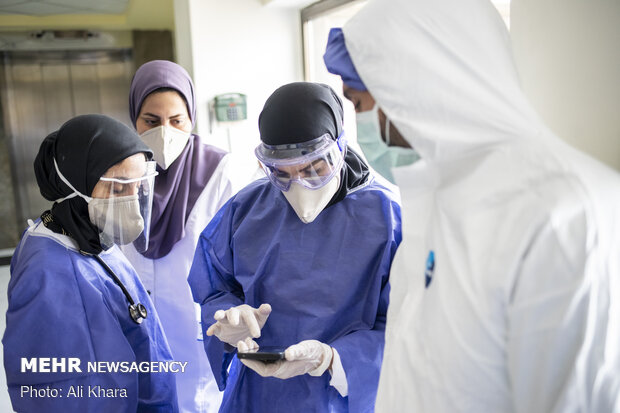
x,y
75,191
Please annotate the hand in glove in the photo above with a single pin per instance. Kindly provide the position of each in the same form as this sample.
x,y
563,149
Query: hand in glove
x,y
308,356
238,323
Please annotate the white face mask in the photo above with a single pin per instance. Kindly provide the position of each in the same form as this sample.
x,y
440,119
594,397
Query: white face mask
x,y
118,218
166,142
308,203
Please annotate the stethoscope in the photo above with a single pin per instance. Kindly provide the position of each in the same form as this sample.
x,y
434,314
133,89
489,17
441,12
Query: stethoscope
x,y
137,312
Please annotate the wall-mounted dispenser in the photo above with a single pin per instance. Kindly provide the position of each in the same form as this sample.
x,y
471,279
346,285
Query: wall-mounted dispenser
x,y
230,107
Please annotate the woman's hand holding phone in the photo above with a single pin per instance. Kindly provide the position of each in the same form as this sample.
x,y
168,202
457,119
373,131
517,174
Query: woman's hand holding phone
x,y
308,356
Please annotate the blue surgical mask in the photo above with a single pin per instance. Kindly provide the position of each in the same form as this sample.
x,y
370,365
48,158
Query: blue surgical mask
x,y
379,154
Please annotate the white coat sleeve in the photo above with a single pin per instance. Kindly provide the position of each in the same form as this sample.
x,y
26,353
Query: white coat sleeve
x,y
339,377
557,323
233,174
226,186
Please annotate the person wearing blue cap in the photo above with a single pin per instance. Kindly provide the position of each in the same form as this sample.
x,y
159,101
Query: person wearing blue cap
x,y
382,143
505,288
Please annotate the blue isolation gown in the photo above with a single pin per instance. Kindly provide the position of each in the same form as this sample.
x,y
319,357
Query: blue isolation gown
x,y
64,304
327,280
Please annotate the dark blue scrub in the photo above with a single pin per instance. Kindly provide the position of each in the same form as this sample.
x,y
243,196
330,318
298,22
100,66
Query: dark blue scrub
x,y
326,280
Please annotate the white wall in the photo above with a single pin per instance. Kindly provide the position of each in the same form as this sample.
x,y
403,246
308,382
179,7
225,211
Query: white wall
x,y
237,46
568,55
183,35
316,34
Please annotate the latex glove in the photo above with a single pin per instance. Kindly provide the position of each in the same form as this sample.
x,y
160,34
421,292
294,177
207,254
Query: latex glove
x,y
308,356
238,323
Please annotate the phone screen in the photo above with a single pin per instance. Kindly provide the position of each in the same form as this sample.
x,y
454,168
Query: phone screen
x,y
265,353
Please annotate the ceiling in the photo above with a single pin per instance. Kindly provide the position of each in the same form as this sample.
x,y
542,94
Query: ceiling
x,y
294,4
49,7
52,7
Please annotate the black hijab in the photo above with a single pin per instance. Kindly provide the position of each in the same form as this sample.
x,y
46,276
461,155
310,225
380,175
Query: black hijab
x,y
302,111
85,147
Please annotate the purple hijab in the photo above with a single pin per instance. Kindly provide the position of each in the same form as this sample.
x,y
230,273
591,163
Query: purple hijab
x,y
178,187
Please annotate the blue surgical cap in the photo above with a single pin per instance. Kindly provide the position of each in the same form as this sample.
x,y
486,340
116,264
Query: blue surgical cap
x,y
338,61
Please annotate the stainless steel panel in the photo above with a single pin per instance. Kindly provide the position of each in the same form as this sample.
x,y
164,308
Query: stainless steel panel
x,y
57,105
9,230
85,90
114,82
42,90
29,124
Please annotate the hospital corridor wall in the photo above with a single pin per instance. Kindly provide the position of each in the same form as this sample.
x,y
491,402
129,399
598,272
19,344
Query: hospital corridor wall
x,y
568,57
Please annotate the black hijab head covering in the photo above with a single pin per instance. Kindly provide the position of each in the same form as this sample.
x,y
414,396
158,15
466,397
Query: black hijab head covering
x,y
85,147
302,111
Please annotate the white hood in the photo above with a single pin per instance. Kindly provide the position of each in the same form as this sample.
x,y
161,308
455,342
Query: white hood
x,y
449,78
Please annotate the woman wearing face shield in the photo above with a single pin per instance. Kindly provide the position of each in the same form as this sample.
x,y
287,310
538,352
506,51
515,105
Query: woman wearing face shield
x,y
194,181
74,298
299,260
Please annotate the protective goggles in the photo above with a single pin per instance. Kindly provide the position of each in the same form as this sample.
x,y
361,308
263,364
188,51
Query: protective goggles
x,y
311,164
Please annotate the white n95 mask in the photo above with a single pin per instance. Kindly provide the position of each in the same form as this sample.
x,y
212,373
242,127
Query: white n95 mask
x,y
166,142
379,154
118,218
308,203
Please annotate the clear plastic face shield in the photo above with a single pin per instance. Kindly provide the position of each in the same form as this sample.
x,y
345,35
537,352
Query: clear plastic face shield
x,y
312,164
121,204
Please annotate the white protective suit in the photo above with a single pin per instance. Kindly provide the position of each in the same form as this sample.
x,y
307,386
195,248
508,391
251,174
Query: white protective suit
x,y
522,309
166,279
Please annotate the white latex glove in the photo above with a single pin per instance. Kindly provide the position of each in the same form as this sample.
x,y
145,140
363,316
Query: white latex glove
x,y
238,323
308,356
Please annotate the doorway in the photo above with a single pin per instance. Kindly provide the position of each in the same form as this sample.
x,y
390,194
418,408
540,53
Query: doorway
x,y
40,90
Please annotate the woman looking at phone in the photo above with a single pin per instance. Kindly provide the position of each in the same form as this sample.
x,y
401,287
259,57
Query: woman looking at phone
x,y
299,259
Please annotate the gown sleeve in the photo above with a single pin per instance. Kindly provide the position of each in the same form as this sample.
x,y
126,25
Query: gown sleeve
x,y
213,286
47,318
361,351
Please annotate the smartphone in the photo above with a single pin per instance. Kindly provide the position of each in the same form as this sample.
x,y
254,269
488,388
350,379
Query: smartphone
x,y
265,353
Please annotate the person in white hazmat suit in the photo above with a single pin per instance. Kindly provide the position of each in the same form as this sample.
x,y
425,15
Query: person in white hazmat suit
x,y
506,289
